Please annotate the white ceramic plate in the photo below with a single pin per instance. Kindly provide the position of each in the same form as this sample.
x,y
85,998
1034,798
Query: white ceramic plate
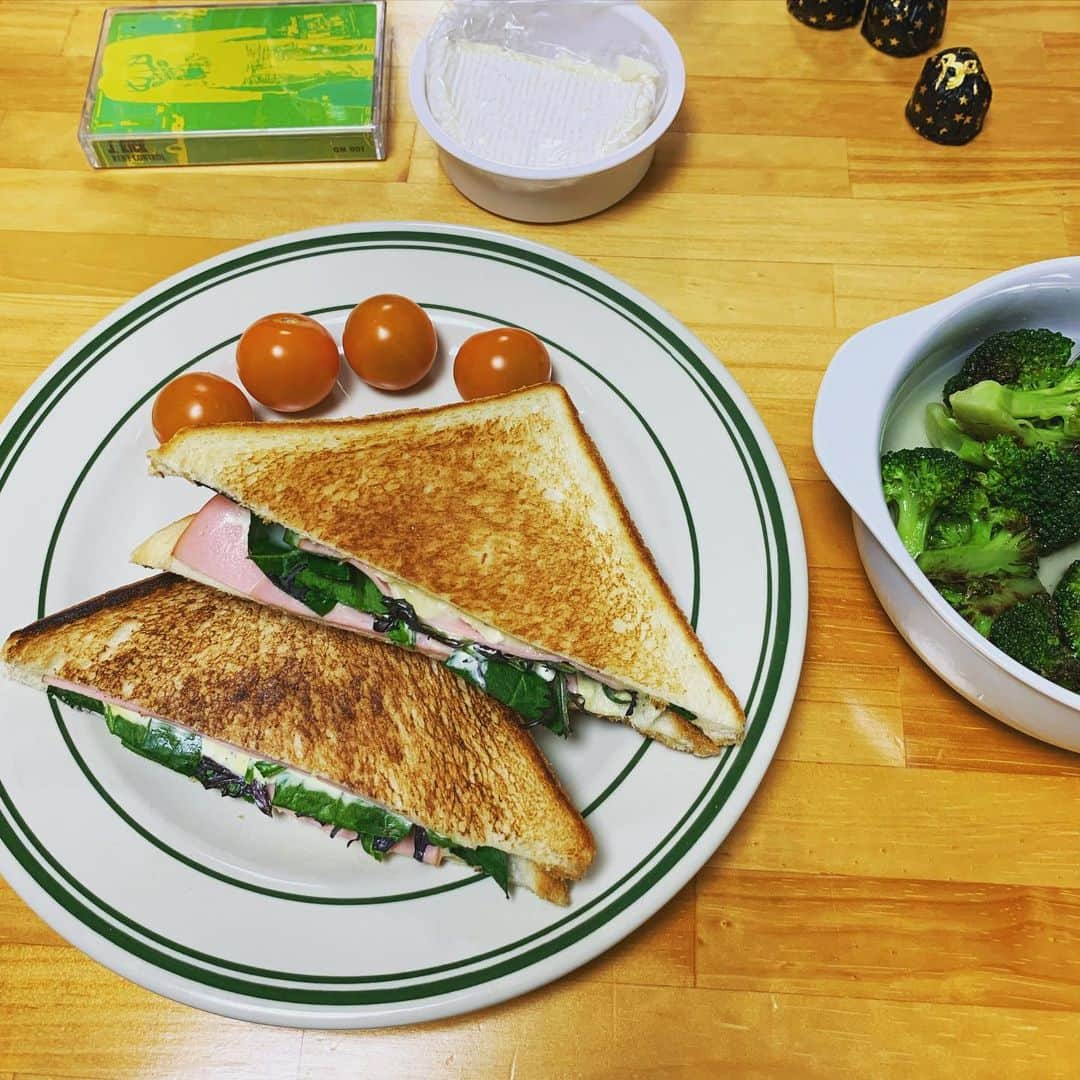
x,y
205,901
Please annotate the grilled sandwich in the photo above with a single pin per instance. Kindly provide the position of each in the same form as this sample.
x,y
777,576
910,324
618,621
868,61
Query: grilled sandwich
x,y
488,534
385,749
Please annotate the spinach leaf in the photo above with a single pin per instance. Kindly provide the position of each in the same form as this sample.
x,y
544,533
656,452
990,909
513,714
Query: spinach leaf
x,y
371,823
620,697
535,691
77,701
686,714
494,863
316,581
170,746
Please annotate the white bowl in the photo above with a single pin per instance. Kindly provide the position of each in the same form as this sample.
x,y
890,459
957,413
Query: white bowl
x,y
873,374
550,195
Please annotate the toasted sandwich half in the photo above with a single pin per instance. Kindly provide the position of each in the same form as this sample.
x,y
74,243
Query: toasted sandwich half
x,y
488,534
377,745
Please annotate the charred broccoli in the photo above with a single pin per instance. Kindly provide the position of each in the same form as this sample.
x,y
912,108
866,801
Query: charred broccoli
x,y
981,600
1021,383
916,484
1021,359
1028,632
1067,606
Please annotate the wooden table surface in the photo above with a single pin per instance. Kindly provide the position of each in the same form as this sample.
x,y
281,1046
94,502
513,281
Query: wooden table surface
x,y
903,894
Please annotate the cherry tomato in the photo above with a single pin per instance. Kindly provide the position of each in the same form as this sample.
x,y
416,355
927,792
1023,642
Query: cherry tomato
x,y
287,362
197,399
498,361
389,342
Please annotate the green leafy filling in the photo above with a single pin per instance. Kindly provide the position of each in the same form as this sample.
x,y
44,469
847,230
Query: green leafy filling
x,y
319,582
535,691
181,751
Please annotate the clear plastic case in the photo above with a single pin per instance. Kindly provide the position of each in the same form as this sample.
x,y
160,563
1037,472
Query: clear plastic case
x,y
238,83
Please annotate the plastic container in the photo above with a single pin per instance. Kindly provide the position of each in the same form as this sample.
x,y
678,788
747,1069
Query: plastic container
x,y
561,194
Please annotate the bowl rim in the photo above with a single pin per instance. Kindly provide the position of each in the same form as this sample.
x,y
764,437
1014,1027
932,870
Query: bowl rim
x,y
864,376
674,71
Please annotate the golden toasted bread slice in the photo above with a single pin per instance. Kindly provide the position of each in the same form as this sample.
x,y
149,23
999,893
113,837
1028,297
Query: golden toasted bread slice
x,y
501,507
384,724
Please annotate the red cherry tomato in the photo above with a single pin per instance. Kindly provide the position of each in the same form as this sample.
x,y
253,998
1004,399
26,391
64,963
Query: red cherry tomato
x,y
197,399
390,342
498,361
287,362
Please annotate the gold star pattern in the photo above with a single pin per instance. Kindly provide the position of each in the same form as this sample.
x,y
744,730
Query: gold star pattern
x,y
963,99
918,24
878,43
922,88
918,107
813,18
894,41
830,17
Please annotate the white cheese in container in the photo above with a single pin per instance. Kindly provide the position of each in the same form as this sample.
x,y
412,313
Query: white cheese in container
x,y
518,109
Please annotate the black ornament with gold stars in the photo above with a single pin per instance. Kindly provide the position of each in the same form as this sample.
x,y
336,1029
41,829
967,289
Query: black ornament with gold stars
x,y
827,14
951,99
904,27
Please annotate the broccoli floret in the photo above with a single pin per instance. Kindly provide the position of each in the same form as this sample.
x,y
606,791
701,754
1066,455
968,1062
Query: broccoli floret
x,y
1012,554
1067,606
1047,415
916,483
982,600
1028,633
1021,359
946,434
1042,482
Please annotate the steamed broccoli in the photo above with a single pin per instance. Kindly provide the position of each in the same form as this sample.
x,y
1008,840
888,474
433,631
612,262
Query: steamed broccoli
x,y
1021,359
1067,606
1047,415
1042,482
981,600
1021,383
1028,633
916,483
946,434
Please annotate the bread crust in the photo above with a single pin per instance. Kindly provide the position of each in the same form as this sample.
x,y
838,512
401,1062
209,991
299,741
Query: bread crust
x,y
385,724
502,506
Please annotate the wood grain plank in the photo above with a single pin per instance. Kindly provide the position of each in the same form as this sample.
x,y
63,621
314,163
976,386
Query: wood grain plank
x,y
1027,116
517,1039
942,730
911,823
846,713
960,943
94,264
19,925
192,202
1072,228
796,53
38,28
866,294
47,325
660,953
992,171
714,293
701,1032
1063,55
64,1015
